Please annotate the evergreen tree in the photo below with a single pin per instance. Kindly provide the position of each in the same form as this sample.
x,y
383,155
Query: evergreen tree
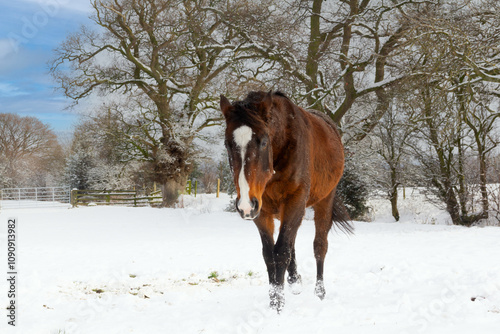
x,y
78,166
352,190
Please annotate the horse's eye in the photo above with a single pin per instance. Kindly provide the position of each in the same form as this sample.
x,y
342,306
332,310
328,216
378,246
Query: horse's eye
x,y
263,143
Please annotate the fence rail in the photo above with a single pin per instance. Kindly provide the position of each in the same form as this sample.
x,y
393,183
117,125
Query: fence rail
x,y
113,197
63,196
34,197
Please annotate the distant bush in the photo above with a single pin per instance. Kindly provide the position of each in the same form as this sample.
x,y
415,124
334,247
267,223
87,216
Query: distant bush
x,y
231,207
353,192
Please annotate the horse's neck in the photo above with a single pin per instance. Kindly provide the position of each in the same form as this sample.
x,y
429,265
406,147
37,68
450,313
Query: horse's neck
x,y
281,130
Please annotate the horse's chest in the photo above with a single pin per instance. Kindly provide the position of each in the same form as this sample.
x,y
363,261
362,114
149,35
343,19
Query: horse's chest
x,y
277,192
271,198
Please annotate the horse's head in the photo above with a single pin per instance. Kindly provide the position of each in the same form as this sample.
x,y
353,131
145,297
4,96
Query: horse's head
x,y
248,144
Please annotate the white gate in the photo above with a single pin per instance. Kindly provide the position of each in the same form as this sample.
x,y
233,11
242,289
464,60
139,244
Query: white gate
x,y
13,198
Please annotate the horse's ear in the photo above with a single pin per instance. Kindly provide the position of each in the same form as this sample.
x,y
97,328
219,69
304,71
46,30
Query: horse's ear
x,y
225,105
266,105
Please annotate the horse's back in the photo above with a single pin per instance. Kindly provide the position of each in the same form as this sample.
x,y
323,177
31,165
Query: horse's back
x,y
326,156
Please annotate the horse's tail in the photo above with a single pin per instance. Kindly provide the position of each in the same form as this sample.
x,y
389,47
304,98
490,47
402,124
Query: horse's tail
x,y
341,217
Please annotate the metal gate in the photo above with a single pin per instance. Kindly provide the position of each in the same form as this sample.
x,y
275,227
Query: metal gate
x,y
13,198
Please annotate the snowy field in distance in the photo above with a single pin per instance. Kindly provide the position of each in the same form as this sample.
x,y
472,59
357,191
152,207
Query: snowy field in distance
x,y
199,269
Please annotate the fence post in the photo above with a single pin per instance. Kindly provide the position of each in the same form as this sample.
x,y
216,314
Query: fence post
x,y
108,197
218,187
188,188
195,187
73,198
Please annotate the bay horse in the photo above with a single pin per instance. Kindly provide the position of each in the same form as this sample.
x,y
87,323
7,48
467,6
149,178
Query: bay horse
x,y
285,159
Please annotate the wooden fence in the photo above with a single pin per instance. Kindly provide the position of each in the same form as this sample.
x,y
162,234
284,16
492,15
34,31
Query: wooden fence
x,y
126,197
114,197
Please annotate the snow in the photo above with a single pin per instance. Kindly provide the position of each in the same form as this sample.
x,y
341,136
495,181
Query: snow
x,y
198,269
15,204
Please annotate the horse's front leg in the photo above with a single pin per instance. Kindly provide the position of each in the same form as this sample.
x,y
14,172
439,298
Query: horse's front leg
x,y
291,218
265,224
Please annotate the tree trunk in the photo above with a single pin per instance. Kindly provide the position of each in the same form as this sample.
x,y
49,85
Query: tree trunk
x,y
442,181
453,207
448,196
170,191
394,204
171,169
394,195
482,184
462,190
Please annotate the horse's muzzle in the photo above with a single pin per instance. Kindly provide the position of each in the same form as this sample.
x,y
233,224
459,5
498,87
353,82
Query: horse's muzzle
x,y
249,211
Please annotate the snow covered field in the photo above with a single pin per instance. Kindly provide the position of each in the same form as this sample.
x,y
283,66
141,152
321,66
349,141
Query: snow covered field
x,y
200,270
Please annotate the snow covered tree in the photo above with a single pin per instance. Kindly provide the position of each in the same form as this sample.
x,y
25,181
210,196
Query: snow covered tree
x,y
391,140
166,57
454,102
472,29
477,108
97,159
328,55
226,175
78,166
29,151
208,177
453,132
352,189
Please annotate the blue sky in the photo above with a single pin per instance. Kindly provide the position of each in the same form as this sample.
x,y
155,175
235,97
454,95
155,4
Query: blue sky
x,y
29,31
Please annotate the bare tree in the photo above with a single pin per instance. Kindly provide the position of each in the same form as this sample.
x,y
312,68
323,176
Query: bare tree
x,y
474,35
208,178
494,194
480,117
165,56
29,151
330,54
439,131
454,107
392,140
96,157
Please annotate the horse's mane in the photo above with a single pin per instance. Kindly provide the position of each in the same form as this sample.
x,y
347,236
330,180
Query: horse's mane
x,y
279,93
246,111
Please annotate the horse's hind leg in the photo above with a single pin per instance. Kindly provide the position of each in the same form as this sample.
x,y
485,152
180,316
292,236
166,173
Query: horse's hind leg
x,y
323,221
294,278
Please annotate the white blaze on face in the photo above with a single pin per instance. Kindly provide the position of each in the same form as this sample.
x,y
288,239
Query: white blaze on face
x,y
242,137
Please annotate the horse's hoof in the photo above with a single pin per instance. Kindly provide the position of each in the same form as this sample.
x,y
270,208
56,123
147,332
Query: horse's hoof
x,y
277,296
320,290
295,283
277,305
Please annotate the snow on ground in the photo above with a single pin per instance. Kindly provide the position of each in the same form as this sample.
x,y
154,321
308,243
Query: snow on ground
x,y
198,269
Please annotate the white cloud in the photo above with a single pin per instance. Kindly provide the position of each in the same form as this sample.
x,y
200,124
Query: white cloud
x,y
8,90
6,48
55,5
